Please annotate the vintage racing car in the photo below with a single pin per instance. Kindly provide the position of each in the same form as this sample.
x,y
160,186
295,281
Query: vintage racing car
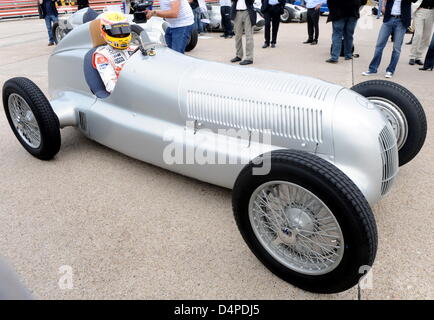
x,y
306,159
293,13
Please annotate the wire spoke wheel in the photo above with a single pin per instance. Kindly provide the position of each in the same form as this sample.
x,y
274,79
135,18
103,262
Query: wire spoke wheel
x,y
24,120
31,118
296,227
305,220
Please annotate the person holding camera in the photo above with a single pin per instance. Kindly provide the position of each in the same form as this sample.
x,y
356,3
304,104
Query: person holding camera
x,y
180,18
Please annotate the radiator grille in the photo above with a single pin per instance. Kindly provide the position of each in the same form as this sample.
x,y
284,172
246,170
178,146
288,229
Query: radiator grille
x,y
389,157
282,120
269,81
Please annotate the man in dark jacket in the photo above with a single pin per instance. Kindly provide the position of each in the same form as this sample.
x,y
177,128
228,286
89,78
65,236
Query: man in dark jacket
x,y
272,9
48,11
244,16
397,18
343,15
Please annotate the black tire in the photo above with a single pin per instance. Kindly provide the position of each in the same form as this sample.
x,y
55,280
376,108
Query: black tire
x,y
341,196
410,107
45,117
135,32
286,11
193,40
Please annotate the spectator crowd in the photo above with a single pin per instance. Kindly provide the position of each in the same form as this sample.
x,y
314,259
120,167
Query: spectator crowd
x,y
183,16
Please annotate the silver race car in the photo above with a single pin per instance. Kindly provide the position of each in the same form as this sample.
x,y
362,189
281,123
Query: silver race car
x,y
293,13
306,159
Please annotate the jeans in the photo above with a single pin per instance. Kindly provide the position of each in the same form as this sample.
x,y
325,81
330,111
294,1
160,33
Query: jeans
x,y
395,26
380,5
177,38
343,29
197,22
226,20
272,19
49,20
429,58
313,23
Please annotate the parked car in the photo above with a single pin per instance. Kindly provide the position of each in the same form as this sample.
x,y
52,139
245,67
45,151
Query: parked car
x,y
323,10
293,13
302,194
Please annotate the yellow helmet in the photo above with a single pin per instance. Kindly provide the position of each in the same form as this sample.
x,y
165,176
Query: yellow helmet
x,y
115,30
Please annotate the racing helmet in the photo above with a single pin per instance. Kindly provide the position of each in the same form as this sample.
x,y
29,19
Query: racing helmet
x,y
115,30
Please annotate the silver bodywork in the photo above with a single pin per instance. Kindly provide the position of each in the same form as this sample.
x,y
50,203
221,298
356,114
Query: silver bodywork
x,y
175,97
294,13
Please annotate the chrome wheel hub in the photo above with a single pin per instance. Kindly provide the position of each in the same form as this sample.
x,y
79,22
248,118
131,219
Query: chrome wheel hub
x,y
296,227
300,219
24,120
285,15
395,117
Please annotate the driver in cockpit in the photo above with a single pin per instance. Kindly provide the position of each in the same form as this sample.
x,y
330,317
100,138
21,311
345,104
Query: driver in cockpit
x,y
110,58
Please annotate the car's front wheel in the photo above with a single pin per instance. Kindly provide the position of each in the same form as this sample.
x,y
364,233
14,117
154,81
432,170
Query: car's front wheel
x,y
192,42
31,118
306,221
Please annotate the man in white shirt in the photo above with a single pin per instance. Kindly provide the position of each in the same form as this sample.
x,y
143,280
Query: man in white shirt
x,y
313,13
244,16
180,17
225,11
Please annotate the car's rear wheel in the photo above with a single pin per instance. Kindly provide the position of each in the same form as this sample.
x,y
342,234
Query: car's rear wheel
x,y
31,118
192,42
404,112
58,32
306,221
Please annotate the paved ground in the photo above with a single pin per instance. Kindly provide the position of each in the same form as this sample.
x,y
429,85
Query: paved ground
x,y
131,230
